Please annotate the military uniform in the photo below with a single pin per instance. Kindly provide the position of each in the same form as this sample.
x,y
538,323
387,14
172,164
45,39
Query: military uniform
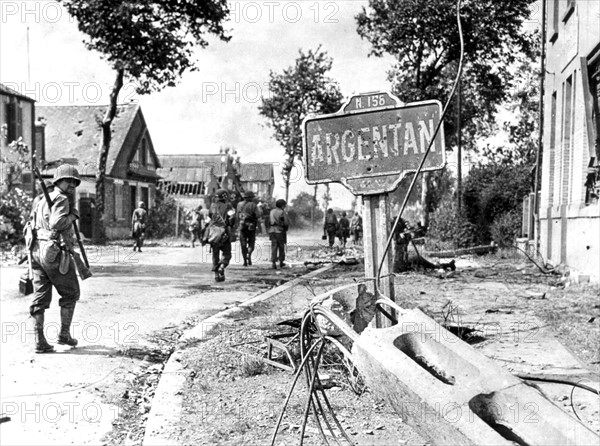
x,y
247,216
196,225
222,214
356,227
330,227
138,225
52,263
279,224
343,229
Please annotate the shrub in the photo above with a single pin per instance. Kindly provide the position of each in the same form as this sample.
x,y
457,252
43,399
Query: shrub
x,y
450,228
490,191
160,217
506,228
15,207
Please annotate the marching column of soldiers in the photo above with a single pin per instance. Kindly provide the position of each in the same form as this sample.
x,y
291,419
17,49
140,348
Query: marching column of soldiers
x,y
51,233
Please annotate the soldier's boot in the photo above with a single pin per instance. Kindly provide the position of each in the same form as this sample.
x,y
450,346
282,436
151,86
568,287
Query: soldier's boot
x,y
41,345
221,272
66,316
249,258
245,259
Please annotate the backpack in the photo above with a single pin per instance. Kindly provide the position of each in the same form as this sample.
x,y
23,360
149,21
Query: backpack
x,y
249,221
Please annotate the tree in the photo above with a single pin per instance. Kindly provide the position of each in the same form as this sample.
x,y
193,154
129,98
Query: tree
x,y
151,42
301,89
518,117
424,39
303,210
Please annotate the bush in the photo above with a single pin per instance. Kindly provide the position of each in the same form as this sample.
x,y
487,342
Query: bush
x,y
506,228
450,228
490,191
15,210
160,217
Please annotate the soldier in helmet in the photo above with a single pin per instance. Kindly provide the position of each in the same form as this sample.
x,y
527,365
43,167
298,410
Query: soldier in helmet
x,y
222,215
279,224
138,225
51,262
247,217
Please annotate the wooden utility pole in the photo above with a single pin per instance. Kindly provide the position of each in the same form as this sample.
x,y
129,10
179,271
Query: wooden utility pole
x,y
376,230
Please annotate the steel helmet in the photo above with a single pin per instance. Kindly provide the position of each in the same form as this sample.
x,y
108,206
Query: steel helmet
x,y
65,171
142,205
249,194
221,194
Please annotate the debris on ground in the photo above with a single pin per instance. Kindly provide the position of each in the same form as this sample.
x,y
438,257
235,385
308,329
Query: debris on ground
x,y
342,256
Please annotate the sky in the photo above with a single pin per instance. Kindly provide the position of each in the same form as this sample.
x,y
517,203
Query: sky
x,y
214,107
217,106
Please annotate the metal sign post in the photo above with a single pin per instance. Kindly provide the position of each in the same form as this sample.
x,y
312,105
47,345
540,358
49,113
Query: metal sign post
x,y
369,145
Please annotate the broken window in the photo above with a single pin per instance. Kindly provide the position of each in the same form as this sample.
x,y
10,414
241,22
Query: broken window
x,y
592,181
14,114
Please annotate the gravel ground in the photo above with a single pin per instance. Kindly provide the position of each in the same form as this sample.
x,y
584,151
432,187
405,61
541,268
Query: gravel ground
x,y
232,399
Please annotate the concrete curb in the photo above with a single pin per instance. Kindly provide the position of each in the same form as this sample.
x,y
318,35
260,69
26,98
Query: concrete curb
x,y
167,405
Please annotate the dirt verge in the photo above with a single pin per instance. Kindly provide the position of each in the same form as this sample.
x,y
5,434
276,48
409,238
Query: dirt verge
x,y
231,399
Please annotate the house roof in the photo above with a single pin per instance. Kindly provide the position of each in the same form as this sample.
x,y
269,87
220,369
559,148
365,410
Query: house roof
x,y
185,174
191,161
75,132
257,172
10,92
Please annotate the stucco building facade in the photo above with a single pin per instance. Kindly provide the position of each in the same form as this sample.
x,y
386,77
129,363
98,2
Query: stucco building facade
x,y
569,214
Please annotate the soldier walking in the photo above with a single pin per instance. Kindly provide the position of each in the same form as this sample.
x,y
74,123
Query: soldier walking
x,y
222,215
356,227
330,226
52,263
343,229
247,216
278,226
138,225
197,225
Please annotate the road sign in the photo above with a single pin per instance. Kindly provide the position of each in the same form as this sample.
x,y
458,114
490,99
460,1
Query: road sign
x,y
372,143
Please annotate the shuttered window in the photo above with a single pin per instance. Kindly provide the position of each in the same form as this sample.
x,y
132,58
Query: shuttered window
x,y
118,202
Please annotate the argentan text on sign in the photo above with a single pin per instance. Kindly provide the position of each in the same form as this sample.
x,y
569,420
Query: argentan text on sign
x,y
372,143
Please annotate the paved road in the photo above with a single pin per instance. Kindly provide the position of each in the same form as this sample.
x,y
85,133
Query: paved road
x,y
62,398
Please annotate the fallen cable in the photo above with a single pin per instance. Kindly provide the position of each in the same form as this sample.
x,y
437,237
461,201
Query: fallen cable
x,y
422,163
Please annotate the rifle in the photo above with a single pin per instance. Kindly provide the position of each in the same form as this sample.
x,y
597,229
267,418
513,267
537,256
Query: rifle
x,y
83,266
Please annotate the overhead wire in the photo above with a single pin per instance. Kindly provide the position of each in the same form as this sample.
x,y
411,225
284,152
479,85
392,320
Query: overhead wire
x,y
431,143
317,398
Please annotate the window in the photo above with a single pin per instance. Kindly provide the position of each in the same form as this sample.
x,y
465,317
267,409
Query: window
x,y
14,114
118,202
592,181
569,10
553,20
552,157
143,154
566,140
